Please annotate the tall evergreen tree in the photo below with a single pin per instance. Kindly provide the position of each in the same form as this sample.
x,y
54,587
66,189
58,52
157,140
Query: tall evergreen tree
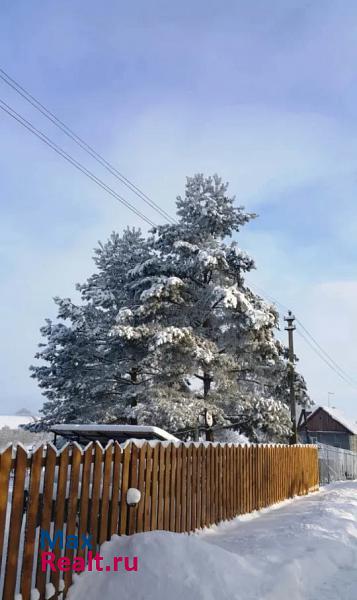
x,y
83,367
168,328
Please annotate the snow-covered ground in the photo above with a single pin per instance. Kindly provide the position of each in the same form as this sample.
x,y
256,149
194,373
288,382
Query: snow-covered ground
x,y
305,549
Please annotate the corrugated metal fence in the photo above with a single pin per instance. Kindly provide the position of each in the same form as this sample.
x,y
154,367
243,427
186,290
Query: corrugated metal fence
x,y
183,487
336,464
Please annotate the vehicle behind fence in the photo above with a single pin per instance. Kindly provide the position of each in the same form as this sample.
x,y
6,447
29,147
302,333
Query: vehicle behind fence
x,y
84,492
336,464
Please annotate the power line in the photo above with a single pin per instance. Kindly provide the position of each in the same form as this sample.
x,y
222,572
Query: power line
x,y
348,381
325,353
46,140
318,349
83,144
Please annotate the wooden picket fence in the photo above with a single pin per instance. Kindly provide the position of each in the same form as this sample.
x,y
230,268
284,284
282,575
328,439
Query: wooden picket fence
x,y
83,491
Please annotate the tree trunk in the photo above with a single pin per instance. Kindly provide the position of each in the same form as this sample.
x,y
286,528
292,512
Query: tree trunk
x,y
207,380
134,379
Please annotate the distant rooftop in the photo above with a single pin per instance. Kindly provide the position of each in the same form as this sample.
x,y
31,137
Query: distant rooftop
x,y
14,421
24,412
338,416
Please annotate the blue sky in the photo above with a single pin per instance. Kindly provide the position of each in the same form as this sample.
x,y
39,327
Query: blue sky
x,y
263,93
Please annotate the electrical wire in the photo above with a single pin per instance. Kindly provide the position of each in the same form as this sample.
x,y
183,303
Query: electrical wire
x,y
343,372
92,152
313,343
348,381
83,144
46,140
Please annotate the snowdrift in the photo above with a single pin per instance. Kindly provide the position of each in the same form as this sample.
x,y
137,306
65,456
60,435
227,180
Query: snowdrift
x,y
170,565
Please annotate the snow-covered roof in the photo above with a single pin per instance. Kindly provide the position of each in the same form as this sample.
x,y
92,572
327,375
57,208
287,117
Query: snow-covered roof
x,y
338,416
113,431
14,421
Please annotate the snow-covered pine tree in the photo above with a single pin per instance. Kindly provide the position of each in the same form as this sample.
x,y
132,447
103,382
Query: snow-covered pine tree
x,y
208,338
167,327
82,370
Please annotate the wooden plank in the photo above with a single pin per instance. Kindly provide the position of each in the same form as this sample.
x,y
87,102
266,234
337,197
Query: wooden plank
x,y
271,460
265,477
208,516
72,508
189,487
104,504
183,524
224,482
46,512
198,486
178,506
154,489
243,475
31,523
251,479
17,506
203,486
161,488
114,501
213,478
95,496
141,487
240,501
59,510
234,482
84,497
5,470
167,487
173,488
219,484
132,510
231,502
148,488
194,489
259,477
255,477
124,488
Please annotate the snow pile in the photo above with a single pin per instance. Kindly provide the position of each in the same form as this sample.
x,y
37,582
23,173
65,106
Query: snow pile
x,y
305,549
175,566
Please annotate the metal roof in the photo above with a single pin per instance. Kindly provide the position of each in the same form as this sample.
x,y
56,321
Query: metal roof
x,y
86,433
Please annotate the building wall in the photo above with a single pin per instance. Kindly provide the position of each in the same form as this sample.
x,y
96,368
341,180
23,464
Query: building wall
x,y
354,443
322,421
338,439
324,429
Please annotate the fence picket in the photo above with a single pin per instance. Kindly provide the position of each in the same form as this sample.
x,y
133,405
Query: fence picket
x,y
114,500
148,488
154,493
167,488
5,470
31,523
16,518
123,489
184,494
72,509
95,496
173,488
104,503
46,508
178,506
141,488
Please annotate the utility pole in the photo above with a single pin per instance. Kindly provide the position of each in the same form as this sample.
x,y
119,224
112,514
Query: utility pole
x,y
290,328
329,394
